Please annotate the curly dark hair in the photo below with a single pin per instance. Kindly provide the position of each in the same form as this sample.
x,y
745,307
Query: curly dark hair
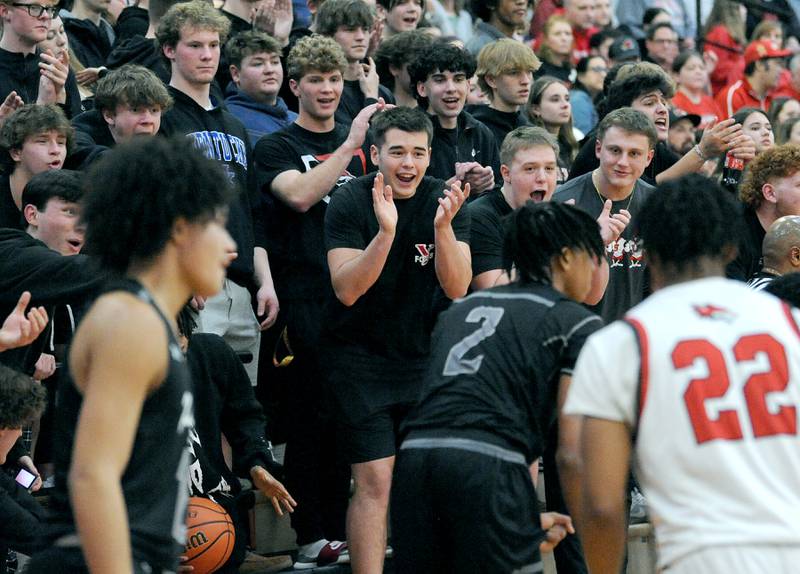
x,y
22,399
636,80
537,232
441,57
689,218
399,50
137,191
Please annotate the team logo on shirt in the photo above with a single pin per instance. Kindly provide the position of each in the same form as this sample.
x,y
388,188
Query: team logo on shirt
x,y
714,312
618,249
425,251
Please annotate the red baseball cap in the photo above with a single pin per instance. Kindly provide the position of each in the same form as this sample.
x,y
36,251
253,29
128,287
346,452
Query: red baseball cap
x,y
763,49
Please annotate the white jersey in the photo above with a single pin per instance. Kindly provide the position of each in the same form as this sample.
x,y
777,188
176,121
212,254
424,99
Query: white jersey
x,y
707,373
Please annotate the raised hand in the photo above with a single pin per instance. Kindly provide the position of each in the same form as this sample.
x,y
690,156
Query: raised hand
x,y
360,125
10,105
383,204
480,178
717,139
20,329
368,79
612,225
449,205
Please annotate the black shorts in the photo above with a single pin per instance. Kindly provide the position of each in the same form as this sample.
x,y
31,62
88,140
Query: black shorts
x,y
466,511
371,397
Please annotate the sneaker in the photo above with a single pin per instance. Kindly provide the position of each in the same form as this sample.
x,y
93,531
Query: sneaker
x,y
334,552
638,513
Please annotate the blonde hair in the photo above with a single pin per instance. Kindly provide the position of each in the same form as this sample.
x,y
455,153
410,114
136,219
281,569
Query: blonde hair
x,y
504,56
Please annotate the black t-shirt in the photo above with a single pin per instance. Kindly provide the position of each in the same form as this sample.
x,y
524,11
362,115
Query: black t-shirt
x,y
749,259
627,277
496,358
154,482
486,231
586,161
501,123
10,215
353,101
394,318
296,241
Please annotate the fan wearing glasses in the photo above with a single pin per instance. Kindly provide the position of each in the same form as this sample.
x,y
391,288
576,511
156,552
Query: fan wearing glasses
x,y
27,74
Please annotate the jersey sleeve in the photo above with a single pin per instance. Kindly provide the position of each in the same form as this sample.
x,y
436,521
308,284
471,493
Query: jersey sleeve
x,y
343,219
604,383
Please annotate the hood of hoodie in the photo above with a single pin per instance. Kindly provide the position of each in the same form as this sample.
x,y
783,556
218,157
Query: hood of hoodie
x,y
233,95
92,124
142,51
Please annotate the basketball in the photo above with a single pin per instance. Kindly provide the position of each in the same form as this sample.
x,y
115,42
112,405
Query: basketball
x,y
209,535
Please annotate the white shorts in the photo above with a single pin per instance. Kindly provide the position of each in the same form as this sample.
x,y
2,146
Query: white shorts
x,y
756,559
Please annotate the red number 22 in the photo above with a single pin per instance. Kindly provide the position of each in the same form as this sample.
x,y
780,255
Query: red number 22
x,y
727,426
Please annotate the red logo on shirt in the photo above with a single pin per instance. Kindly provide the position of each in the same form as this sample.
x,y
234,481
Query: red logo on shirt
x,y
425,251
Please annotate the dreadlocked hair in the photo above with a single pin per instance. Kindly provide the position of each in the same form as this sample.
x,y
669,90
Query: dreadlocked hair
x,y
537,232
689,218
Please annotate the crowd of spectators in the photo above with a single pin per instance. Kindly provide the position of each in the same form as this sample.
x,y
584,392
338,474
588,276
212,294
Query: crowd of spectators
x,y
587,101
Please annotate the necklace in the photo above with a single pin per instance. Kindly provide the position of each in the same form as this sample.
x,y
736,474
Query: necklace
x,y
603,199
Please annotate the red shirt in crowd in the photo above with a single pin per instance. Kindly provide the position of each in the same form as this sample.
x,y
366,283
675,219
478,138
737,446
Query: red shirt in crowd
x,y
730,54
706,108
741,95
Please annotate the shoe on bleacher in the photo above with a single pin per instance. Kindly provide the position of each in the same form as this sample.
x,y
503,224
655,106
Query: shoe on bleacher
x,y
638,507
334,552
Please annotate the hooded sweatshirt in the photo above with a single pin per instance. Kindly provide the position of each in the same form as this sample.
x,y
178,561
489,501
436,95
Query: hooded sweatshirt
x,y
259,119
20,73
142,51
222,137
90,43
27,264
92,139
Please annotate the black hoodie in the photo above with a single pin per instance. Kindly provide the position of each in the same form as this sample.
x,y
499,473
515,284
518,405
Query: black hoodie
x,y
221,136
469,141
142,51
27,264
91,44
20,73
92,139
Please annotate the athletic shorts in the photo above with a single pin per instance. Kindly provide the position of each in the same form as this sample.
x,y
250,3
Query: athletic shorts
x,y
371,399
755,559
466,507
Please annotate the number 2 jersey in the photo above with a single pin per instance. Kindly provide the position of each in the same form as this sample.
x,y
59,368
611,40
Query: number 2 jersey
x,y
495,364
707,374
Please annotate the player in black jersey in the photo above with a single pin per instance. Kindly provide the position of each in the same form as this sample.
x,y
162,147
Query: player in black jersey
x,y
462,496
155,215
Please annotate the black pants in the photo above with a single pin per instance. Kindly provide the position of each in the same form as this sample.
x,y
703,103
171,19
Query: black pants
x,y
459,511
316,475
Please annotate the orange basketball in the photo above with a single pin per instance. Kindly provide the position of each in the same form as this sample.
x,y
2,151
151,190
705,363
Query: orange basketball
x,y
209,535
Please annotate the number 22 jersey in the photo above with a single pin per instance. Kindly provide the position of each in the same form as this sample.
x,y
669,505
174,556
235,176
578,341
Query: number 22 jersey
x,y
707,373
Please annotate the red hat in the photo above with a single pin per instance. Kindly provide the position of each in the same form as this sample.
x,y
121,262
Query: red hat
x,y
762,49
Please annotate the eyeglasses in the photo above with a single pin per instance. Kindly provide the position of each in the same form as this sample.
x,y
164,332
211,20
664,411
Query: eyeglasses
x,y
665,41
599,69
36,10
